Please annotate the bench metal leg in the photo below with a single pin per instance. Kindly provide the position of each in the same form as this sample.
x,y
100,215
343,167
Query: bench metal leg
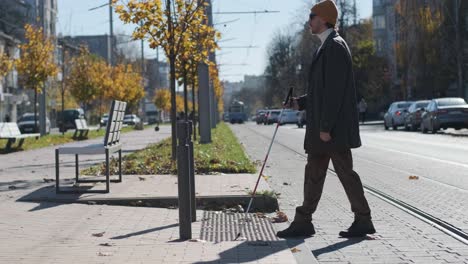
x,y
120,165
57,172
20,143
107,171
77,171
75,134
10,143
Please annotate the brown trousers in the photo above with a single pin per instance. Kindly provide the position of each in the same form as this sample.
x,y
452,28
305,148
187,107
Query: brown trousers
x,y
315,173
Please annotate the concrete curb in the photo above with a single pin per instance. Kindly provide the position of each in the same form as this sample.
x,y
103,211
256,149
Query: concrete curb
x,y
261,203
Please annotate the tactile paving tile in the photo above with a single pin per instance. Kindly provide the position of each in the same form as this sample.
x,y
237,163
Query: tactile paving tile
x,y
220,226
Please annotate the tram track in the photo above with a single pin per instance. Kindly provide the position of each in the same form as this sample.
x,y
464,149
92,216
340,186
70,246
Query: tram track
x,y
430,219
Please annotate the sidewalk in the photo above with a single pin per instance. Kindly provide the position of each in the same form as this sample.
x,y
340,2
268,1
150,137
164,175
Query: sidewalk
x,y
400,238
50,232
74,233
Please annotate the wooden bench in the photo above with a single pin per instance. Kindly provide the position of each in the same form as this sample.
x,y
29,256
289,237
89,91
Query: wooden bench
x,y
11,132
82,128
110,146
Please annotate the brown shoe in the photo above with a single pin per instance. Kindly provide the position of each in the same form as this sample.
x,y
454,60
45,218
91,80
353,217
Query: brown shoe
x,y
297,229
359,228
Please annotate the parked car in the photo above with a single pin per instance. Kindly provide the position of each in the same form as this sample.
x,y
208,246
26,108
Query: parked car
x,y
260,116
288,117
301,119
26,124
272,117
413,117
67,120
395,115
104,119
445,113
131,120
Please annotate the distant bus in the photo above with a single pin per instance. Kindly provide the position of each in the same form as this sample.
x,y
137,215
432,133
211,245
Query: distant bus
x,y
237,112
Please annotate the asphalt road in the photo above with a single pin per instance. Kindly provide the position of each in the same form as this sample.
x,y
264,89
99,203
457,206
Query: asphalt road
x,y
388,158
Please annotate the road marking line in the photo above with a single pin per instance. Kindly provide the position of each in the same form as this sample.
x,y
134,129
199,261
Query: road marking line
x,y
418,156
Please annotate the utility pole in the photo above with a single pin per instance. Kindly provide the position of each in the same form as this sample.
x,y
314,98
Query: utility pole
x,y
143,101
212,56
111,33
355,12
41,8
63,89
204,97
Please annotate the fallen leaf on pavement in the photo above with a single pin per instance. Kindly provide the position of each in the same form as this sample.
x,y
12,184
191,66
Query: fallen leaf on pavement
x,y
99,234
104,254
142,178
107,244
197,240
285,183
295,250
260,215
413,177
280,217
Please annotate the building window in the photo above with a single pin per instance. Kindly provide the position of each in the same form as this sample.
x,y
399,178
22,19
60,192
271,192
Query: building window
x,y
379,22
378,45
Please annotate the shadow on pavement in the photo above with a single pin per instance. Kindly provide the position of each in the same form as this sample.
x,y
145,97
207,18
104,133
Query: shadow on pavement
x,y
251,251
337,246
145,231
47,198
43,206
19,185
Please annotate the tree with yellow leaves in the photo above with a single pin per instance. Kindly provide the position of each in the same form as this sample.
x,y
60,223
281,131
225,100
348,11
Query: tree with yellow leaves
x,y
36,63
166,25
127,85
6,64
162,99
89,78
217,86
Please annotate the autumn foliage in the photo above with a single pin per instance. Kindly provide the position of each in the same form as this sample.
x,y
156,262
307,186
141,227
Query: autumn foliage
x,y
91,78
6,64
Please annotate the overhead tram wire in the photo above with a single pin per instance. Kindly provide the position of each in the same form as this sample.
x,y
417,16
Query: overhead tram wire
x,y
246,12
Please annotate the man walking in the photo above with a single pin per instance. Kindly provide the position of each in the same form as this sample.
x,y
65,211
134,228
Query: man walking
x,y
332,127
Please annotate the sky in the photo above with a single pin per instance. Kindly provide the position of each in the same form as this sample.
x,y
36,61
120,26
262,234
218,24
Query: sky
x,y
257,30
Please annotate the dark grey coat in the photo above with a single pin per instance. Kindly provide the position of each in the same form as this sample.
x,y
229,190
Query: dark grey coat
x,y
330,101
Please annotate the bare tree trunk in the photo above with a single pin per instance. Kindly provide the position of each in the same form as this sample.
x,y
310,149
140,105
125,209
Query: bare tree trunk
x,y
194,110
35,110
173,83
185,95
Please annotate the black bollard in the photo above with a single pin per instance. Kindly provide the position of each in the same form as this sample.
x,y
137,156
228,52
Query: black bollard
x,y
183,173
192,174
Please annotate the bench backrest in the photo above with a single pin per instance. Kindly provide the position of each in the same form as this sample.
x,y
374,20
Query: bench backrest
x,y
9,130
81,124
115,122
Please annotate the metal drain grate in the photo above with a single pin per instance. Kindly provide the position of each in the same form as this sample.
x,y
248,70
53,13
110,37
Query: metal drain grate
x,y
219,226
